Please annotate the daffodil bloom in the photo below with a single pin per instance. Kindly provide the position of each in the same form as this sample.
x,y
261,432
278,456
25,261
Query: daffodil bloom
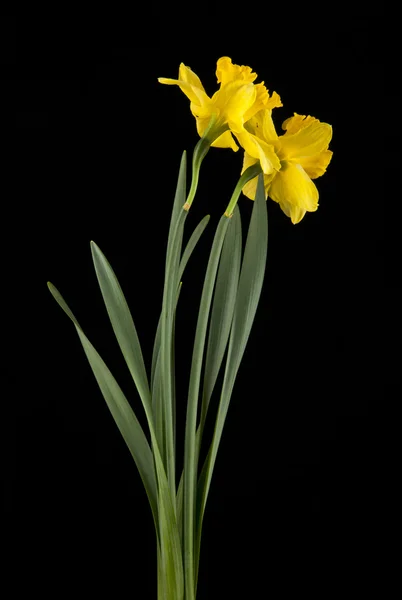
x,y
237,100
302,154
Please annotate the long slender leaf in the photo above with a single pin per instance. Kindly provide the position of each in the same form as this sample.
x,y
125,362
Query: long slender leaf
x,y
248,295
155,353
121,411
123,327
222,309
179,200
219,328
191,244
192,404
171,553
168,305
157,409
149,463
179,507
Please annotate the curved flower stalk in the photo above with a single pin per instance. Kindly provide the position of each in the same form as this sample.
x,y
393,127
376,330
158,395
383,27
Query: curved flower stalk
x,y
302,154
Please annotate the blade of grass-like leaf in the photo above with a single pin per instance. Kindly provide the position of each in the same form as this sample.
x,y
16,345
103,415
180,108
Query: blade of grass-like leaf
x,y
179,508
123,326
190,474
248,295
168,304
219,328
157,409
179,200
121,411
155,353
191,244
171,553
149,463
222,309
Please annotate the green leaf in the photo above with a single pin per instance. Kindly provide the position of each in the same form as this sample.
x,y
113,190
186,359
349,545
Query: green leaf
x,y
157,409
123,326
121,411
171,553
167,323
126,335
219,328
179,200
222,309
149,464
191,244
248,295
179,508
192,404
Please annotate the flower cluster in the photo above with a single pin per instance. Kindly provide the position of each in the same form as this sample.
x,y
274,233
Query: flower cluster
x,y
240,112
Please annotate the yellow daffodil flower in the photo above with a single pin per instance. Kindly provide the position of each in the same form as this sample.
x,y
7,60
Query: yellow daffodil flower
x,y
237,101
302,154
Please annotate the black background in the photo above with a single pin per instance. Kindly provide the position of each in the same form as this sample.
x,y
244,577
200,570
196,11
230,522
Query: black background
x,y
93,144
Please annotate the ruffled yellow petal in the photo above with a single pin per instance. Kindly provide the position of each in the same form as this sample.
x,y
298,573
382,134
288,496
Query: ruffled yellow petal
x,y
259,149
316,165
273,101
293,189
297,122
263,101
226,72
308,141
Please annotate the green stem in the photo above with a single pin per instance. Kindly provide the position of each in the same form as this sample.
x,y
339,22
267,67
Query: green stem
x,y
211,134
248,174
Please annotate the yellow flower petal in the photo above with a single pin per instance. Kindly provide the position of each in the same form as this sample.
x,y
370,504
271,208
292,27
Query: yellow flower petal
x,y
250,188
308,141
225,141
187,75
274,101
316,165
259,149
262,126
232,101
226,71
293,189
197,95
268,127
263,101
297,122
295,213
254,125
